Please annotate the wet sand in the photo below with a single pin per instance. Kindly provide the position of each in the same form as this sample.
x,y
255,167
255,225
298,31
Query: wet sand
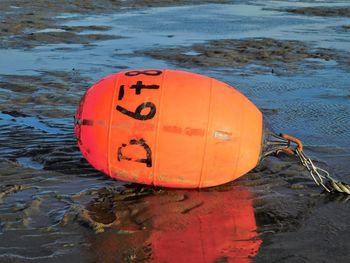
x,y
322,11
276,56
293,64
39,24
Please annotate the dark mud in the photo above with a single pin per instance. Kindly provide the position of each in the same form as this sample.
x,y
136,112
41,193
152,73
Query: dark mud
x,y
46,94
21,22
282,57
29,30
322,11
291,225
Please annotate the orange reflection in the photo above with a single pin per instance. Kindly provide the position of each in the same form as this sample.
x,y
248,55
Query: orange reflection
x,y
183,226
204,227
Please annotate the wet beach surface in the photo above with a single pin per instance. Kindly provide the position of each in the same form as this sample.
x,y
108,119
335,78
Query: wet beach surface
x,y
290,58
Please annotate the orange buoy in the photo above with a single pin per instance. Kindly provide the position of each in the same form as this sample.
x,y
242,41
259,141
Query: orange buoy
x,y
169,128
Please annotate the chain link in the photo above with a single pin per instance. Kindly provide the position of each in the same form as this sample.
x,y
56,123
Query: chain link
x,y
321,176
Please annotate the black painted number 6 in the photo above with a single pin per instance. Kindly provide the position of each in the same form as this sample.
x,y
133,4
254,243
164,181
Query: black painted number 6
x,y
137,114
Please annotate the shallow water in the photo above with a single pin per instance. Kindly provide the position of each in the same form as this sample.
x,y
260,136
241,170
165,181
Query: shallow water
x,y
54,206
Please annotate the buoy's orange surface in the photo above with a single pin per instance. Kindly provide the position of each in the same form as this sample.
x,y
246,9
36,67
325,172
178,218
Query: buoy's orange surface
x,y
168,128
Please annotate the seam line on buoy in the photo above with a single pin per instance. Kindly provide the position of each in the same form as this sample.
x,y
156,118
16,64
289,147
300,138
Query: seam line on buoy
x,y
110,126
158,129
206,135
242,121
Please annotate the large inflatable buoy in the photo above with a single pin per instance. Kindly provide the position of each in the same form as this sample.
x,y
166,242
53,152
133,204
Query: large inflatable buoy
x,y
169,128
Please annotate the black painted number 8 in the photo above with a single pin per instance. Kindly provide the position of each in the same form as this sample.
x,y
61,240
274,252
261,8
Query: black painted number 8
x,y
137,114
151,72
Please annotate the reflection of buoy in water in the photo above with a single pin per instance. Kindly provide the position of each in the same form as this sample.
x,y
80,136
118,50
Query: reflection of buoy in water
x,y
211,227
182,226
170,128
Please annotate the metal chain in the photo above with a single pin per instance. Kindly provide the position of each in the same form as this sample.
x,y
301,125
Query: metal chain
x,y
321,176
